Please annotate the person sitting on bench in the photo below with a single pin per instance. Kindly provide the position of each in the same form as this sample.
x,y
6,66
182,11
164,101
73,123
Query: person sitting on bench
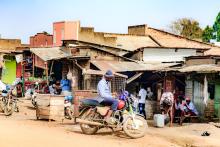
x,y
189,110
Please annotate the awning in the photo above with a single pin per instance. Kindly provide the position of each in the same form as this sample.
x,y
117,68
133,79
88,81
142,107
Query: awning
x,y
50,53
134,77
122,66
203,68
101,73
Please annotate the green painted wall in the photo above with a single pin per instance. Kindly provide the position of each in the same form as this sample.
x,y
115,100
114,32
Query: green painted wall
x,y
9,72
217,100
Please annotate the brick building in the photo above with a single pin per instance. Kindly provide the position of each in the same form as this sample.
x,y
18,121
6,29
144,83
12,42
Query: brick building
x,y
41,40
65,30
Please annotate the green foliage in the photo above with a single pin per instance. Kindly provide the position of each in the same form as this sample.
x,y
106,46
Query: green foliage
x,y
207,34
216,27
187,27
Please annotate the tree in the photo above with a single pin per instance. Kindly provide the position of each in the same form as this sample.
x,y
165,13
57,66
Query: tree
x,y
207,34
187,27
216,27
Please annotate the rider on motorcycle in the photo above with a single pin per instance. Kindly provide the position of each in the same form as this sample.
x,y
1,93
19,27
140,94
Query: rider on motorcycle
x,y
105,97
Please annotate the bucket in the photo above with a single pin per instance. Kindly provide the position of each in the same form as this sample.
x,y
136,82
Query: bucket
x,y
159,120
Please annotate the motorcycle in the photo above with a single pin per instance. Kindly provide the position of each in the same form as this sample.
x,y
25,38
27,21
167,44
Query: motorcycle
x,y
32,94
9,102
2,103
68,107
92,118
33,98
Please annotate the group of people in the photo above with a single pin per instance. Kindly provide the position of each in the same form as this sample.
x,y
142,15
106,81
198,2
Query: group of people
x,y
57,87
180,106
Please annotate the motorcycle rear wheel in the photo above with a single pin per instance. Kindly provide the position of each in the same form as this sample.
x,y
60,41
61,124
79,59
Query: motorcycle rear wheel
x,y
135,128
88,129
16,109
8,109
1,106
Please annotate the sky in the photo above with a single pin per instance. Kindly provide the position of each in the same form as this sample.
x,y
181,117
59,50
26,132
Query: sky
x,y
21,19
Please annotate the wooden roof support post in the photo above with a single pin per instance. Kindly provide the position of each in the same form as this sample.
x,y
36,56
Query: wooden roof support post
x,y
33,64
46,64
51,68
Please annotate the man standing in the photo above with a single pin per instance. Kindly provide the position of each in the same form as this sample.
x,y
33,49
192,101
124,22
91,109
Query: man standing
x,y
105,97
66,86
142,99
149,94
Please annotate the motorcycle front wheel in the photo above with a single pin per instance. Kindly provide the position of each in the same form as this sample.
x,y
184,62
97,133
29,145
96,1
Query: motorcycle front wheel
x,y
89,129
69,113
16,108
34,103
135,127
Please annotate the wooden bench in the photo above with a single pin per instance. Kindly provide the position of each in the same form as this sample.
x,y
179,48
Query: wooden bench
x,y
188,117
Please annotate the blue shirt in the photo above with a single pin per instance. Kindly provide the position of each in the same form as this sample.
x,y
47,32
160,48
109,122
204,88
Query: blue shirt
x,y
66,85
191,107
104,90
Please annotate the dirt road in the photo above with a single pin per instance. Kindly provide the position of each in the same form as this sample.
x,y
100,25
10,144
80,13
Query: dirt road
x,y
22,130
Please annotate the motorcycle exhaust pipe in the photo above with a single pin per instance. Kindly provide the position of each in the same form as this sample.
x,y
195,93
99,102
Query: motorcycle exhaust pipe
x,y
82,121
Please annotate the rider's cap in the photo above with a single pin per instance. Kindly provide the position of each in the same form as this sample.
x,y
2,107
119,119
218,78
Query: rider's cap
x,y
109,74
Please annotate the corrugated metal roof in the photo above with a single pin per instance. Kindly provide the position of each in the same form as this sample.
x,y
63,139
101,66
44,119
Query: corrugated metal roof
x,y
215,51
118,66
100,72
201,68
50,53
166,39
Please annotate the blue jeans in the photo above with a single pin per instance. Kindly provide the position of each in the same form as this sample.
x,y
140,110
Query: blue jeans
x,y
110,102
142,109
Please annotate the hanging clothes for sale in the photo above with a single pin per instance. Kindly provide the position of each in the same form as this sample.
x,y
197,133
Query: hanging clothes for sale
x,y
205,91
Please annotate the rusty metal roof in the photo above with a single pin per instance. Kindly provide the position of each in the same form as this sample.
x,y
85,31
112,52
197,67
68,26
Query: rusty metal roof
x,y
121,66
101,73
50,53
203,68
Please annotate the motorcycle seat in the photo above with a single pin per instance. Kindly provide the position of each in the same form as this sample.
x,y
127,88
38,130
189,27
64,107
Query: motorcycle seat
x,y
90,102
